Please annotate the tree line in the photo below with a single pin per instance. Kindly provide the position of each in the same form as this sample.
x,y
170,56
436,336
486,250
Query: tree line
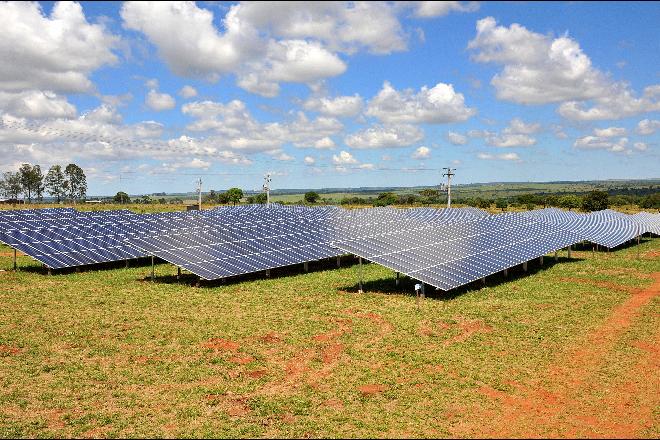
x,y
591,201
70,183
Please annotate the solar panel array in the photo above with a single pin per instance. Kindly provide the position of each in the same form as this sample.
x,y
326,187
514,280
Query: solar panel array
x,y
448,256
443,247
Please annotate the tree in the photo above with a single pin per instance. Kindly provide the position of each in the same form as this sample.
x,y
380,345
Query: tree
x,y
501,204
223,198
38,182
652,201
121,197
76,182
27,180
234,195
257,198
11,184
570,201
595,201
430,195
385,199
312,197
55,182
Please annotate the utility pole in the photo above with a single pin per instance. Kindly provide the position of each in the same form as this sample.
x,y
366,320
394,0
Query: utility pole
x,y
267,180
449,174
199,195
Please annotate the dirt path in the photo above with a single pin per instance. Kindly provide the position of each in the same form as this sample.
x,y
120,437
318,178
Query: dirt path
x,y
569,400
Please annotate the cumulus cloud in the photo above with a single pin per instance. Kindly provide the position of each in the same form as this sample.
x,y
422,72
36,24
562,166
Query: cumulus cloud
x,y
385,136
56,52
341,106
431,9
610,132
539,69
309,160
237,128
159,101
36,104
421,153
602,143
187,92
437,105
647,126
516,134
456,138
641,146
505,156
344,158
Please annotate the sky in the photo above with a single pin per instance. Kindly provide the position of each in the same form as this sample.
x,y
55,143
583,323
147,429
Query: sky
x,y
149,97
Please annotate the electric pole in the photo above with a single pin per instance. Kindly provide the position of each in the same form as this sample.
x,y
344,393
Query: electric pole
x,y
449,173
199,193
267,188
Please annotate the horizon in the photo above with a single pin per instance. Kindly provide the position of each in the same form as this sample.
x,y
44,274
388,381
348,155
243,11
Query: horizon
x,y
339,95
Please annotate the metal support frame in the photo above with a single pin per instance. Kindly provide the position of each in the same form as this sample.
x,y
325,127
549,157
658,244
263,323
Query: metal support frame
x,y
267,273
178,273
506,273
306,266
127,264
569,251
541,260
338,261
360,275
556,256
153,276
15,263
483,281
525,266
638,247
396,282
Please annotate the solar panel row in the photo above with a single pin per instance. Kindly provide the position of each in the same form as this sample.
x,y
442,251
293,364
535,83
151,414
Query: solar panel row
x,y
443,247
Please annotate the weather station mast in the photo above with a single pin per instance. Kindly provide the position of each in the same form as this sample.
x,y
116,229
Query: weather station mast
x,y
449,172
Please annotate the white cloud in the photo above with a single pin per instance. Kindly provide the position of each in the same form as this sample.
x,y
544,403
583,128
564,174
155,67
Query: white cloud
x,y
610,132
456,138
601,143
344,158
341,106
421,153
104,114
641,146
324,143
430,9
516,134
187,92
648,126
36,104
385,137
438,105
284,157
504,156
367,166
159,101
309,160
51,53
237,129
539,69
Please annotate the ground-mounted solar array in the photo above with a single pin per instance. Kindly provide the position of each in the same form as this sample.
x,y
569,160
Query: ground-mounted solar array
x,y
442,247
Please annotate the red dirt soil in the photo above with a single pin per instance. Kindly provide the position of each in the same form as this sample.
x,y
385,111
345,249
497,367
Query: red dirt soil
x,y
569,400
372,389
219,344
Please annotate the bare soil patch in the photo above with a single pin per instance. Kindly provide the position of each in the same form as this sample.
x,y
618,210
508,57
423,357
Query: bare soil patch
x,y
219,344
372,389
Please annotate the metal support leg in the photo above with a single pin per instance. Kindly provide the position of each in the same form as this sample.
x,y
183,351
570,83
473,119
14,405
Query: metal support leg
x,y
556,256
396,282
127,263
525,266
50,271
306,266
506,273
178,273
483,281
423,291
360,275
267,273
541,260
15,264
153,276
638,247
338,261
569,251
199,282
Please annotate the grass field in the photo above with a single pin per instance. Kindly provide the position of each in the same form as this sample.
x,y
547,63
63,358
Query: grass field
x,y
569,349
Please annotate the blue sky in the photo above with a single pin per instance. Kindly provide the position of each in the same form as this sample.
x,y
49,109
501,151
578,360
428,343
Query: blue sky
x,y
148,97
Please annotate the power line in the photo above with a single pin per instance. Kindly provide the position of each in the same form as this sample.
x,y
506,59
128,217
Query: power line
x,y
449,175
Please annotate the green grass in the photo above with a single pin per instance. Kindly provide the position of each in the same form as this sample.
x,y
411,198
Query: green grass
x,y
105,353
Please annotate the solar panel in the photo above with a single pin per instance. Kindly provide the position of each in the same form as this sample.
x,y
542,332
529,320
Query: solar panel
x,y
448,256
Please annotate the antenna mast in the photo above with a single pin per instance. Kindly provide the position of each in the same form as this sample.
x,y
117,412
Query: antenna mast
x,y
449,175
199,193
267,180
